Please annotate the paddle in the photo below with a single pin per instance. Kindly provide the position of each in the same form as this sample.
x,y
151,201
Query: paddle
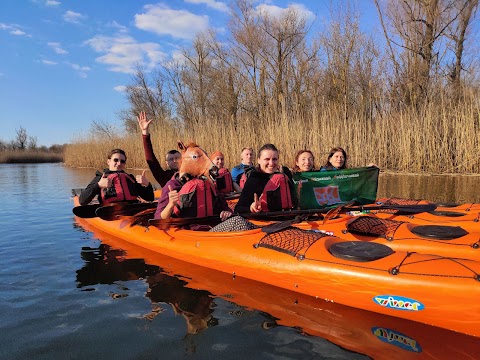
x,y
112,212
409,209
86,211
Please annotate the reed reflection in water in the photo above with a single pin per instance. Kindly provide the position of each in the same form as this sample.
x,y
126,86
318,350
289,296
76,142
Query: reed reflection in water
x,y
438,188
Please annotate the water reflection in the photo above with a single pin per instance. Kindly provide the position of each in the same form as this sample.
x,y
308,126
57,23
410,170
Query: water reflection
x,y
361,332
441,188
105,265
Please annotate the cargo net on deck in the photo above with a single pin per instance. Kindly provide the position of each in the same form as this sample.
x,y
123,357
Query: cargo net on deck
x,y
400,201
290,240
371,226
397,201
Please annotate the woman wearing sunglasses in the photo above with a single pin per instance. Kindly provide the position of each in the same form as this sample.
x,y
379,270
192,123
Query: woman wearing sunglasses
x,y
114,184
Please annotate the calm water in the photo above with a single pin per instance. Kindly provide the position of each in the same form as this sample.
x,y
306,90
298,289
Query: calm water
x,y
64,294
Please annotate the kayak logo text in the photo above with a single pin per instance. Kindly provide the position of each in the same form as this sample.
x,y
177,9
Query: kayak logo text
x,y
398,302
398,339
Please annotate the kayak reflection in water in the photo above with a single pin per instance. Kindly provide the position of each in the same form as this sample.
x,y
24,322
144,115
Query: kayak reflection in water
x,y
104,265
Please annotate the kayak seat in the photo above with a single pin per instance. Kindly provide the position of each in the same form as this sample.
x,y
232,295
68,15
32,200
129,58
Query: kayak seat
x,y
361,251
370,226
291,240
439,232
446,213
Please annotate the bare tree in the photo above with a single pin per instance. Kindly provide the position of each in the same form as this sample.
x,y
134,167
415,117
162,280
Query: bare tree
x,y
32,143
21,138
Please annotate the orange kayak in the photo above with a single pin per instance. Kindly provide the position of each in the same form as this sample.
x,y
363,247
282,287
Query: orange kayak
x,y
444,239
426,288
375,335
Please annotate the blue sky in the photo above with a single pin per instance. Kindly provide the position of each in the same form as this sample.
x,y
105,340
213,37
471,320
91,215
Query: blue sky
x,y
63,64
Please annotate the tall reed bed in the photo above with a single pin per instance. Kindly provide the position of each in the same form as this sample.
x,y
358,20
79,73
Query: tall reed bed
x,y
29,156
445,138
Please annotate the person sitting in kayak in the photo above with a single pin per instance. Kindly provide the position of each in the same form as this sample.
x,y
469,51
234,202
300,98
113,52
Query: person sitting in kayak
x,y
337,160
172,158
191,192
114,184
304,161
223,182
246,156
269,187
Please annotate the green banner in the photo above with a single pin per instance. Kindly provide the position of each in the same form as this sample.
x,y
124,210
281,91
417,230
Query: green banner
x,y
322,189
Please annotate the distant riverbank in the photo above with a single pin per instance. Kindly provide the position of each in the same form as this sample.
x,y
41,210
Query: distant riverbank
x,y
30,157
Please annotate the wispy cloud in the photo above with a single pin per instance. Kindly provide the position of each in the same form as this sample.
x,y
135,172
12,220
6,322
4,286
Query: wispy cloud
x,y
120,28
57,48
80,70
162,20
217,5
73,17
124,54
278,12
14,29
120,88
48,62
52,3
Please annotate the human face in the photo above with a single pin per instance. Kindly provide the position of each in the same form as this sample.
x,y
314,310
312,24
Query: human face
x,y
305,162
337,159
116,162
268,161
247,157
173,161
219,161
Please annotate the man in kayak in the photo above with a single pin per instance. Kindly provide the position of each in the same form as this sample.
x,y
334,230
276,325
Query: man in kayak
x,y
247,162
114,184
173,157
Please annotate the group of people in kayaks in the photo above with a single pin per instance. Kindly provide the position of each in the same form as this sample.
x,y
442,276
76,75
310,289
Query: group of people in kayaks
x,y
194,184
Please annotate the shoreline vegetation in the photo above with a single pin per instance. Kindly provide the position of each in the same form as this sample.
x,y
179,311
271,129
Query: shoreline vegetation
x,y
404,95
30,157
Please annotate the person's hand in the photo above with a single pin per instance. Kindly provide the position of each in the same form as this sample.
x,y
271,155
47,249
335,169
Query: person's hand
x,y
173,196
143,122
224,215
256,205
104,182
141,179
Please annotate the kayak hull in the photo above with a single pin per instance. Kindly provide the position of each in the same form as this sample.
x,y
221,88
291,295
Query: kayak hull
x,y
425,288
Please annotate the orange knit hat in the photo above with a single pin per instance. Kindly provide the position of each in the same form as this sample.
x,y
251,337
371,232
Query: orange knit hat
x,y
215,154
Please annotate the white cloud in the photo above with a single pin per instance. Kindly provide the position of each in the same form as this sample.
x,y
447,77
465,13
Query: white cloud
x,y
120,28
123,53
120,88
57,48
79,67
14,29
52,3
73,17
278,12
48,62
217,5
162,20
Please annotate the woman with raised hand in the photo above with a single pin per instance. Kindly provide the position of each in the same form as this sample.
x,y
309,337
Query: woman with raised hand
x,y
269,187
172,158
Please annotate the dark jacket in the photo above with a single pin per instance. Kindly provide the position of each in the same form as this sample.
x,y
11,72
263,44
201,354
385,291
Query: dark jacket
x,y
92,190
255,185
162,176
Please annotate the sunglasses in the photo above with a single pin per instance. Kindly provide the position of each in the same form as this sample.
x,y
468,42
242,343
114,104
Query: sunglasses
x,y
117,160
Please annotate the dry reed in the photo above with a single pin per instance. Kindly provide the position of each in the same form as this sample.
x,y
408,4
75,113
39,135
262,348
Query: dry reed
x,y
29,156
444,138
